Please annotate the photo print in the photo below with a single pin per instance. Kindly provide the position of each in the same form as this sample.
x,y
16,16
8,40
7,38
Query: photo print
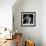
x,y
28,19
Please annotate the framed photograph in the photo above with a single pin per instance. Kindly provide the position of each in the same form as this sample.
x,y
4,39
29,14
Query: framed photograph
x,y
13,22
28,19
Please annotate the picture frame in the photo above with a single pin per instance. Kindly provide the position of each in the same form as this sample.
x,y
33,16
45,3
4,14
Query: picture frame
x,y
13,20
28,19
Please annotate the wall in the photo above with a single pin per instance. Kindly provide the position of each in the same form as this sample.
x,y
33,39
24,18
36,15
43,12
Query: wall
x,y
33,33
6,13
43,22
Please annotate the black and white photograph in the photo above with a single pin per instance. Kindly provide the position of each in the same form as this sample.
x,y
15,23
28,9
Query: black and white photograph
x,y
28,19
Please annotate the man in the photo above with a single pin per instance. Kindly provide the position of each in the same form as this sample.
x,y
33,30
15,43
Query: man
x,y
28,19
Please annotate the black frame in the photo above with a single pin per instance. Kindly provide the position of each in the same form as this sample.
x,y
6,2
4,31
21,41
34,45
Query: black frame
x,y
33,18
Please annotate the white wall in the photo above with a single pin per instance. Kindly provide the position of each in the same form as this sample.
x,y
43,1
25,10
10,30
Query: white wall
x,y
32,33
43,22
6,13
